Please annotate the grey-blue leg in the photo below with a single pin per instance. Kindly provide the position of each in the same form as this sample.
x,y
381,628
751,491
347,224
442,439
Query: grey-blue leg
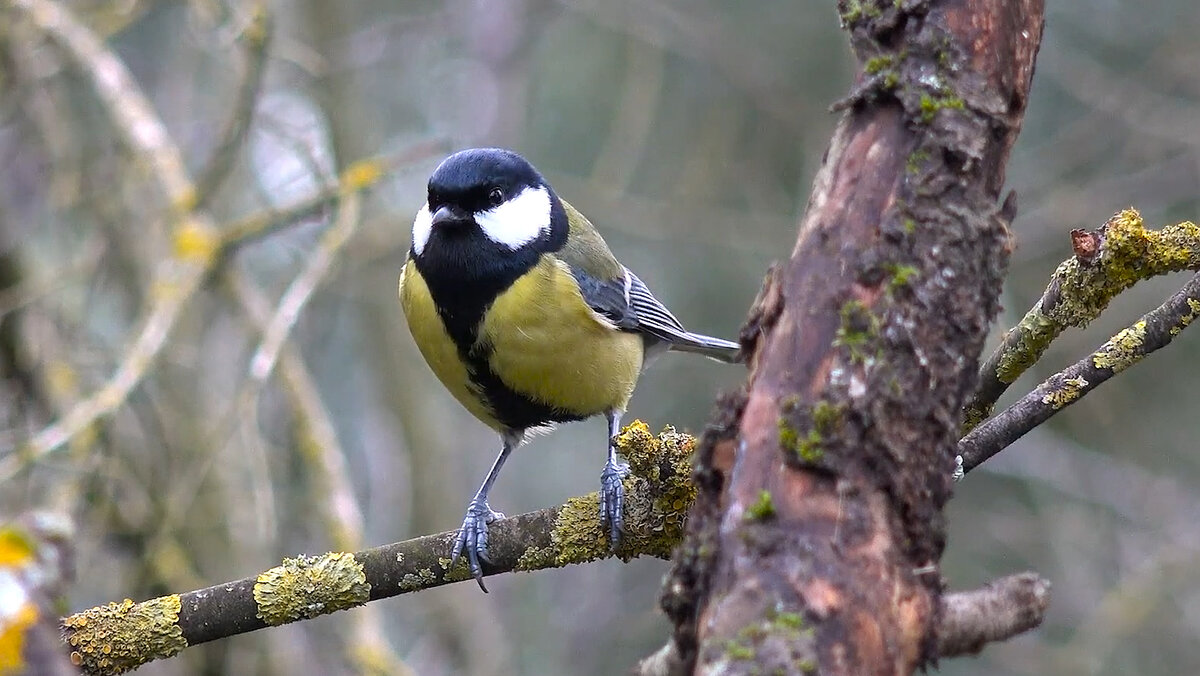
x,y
612,491
473,535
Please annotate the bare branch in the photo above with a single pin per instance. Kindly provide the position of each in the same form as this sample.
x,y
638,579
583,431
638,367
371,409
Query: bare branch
x,y
257,37
1003,609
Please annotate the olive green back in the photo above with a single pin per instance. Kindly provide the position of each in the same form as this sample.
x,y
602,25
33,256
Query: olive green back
x,y
586,250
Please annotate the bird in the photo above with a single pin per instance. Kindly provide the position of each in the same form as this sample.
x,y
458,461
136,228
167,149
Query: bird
x,y
523,313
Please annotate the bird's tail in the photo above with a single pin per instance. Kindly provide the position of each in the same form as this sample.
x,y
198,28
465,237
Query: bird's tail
x,y
713,348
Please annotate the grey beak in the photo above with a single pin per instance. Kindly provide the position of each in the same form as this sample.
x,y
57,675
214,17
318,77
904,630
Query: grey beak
x,y
448,215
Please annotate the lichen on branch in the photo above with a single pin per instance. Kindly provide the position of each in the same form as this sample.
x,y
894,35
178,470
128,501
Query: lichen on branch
x,y
1107,261
117,637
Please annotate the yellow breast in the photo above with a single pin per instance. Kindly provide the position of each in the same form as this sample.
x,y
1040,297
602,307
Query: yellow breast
x,y
550,346
435,344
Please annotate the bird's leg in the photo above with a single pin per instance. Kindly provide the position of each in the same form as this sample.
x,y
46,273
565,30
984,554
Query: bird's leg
x,y
473,535
612,490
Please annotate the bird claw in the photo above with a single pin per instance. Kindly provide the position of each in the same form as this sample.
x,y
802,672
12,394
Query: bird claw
x,y
473,539
612,500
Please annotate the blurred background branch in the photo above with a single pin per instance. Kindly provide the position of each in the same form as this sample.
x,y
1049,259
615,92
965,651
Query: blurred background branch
x,y
688,130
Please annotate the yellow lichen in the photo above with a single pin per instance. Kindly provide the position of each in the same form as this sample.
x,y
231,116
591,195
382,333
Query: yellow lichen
x,y
1185,320
536,558
1068,391
422,579
308,586
658,493
121,636
1130,253
361,174
195,241
1122,350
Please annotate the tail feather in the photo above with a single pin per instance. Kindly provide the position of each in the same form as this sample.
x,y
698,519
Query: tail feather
x,y
713,348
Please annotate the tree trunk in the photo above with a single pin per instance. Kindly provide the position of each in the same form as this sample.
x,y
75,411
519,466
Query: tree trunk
x,y
815,543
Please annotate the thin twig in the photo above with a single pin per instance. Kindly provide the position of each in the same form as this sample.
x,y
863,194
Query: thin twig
x,y
257,37
194,241
300,290
1155,330
361,175
134,118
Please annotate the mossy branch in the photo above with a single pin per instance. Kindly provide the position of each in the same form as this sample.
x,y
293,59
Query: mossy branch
x,y
120,636
1107,261
1155,330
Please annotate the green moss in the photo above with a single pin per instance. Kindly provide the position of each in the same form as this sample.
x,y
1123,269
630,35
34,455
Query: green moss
x,y
308,586
826,416
119,637
762,509
913,166
931,104
807,447
822,419
878,64
739,651
858,329
900,275
786,620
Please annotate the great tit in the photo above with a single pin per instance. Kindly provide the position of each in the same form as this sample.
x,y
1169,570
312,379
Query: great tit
x,y
524,314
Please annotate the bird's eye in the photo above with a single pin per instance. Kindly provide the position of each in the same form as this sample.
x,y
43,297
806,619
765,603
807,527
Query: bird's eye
x,y
496,197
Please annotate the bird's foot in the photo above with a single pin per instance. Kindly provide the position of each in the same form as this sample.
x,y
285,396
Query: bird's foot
x,y
473,538
612,500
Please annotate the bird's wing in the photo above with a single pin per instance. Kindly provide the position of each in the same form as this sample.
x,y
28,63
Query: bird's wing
x,y
629,305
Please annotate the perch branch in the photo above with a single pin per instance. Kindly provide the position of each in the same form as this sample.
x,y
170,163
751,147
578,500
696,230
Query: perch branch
x,y
123,635
1107,261
325,460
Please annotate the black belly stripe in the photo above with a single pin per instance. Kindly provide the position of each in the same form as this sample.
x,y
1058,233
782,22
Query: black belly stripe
x,y
465,274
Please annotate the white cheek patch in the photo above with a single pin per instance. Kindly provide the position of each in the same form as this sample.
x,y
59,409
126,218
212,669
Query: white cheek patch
x,y
422,227
518,221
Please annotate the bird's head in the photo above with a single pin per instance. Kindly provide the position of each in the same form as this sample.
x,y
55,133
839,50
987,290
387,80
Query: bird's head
x,y
488,199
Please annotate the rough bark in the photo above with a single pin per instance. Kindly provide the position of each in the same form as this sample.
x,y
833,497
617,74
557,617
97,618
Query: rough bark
x,y
815,542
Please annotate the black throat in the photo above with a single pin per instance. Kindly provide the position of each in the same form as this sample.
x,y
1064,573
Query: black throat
x,y
465,272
